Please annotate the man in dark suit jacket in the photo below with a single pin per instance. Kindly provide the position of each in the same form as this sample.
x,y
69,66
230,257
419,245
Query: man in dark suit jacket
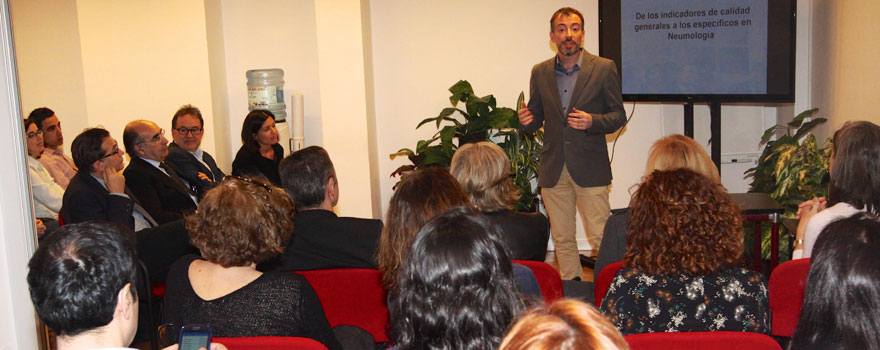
x,y
322,240
160,190
576,96
195,166
98,193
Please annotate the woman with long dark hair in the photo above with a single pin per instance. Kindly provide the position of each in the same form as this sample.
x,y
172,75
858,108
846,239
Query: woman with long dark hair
x,y
455,289
854,169
842,297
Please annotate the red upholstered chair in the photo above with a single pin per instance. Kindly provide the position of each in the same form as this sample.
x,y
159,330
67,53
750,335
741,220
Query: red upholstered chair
x,y
270,343
719,340
787,282
352,297
548,279
603,282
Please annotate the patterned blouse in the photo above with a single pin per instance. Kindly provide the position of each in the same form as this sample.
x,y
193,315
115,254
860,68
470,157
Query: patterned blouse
x,y
734,299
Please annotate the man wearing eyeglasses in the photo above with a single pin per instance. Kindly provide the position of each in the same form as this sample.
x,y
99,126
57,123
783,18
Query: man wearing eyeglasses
x,y
59,165
196,166
156,184
98,192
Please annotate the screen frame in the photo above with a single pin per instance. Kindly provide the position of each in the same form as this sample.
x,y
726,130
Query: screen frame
x,y
610,48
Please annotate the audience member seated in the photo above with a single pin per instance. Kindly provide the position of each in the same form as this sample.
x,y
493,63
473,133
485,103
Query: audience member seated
x,y
420,196
260,154
855,184
47,193
82,284
196,166
680,269
240,223
322,240
566,324
455,289
59,165
156,183
483,170
671,152
842,294
98,193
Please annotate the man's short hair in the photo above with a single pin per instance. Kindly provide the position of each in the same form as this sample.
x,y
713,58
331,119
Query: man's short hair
x,y
304,176
566,11
184,110
86,147
77,272
39,115
130,137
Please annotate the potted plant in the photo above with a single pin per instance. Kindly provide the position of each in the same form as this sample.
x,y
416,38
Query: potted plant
x,y
791,171
480,120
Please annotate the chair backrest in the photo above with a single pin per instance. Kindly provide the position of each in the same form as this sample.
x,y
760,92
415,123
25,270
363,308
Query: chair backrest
x,y
718,340
269,343
352,296
787,282
548,279
604,280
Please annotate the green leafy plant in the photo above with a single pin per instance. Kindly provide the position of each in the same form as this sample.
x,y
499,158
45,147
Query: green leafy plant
x,y
790,170
480,120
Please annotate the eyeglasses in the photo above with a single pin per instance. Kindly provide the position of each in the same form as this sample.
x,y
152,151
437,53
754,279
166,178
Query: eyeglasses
x,y
195,131
115,151
33,134
155,138
250,181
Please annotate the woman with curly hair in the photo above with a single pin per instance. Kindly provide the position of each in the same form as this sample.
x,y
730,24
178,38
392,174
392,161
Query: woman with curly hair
x,y
680,268
854,170
238,224
671,152
455,289
483,170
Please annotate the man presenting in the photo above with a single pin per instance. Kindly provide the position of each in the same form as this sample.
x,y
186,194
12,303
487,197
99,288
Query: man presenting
x,y
196,166
576,96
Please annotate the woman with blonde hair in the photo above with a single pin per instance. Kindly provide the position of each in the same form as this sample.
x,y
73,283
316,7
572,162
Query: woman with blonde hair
x,y
671,152
483,170
567,324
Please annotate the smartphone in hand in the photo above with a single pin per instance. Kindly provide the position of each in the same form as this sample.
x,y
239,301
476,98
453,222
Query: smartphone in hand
x,y
195,337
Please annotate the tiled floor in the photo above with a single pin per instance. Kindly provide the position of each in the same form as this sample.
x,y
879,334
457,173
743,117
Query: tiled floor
x,y
587,275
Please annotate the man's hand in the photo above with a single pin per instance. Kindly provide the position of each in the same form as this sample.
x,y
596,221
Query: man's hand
x,y
114,181
41,228
525,115
205,177
579,120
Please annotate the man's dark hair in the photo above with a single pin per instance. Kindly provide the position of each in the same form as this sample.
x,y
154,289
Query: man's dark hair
x,y
39,115
304,176
184,110
565,11
76,273
130,137
252,124
86,148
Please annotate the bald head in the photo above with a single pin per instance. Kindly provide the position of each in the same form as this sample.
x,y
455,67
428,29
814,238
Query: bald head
x,y
144,139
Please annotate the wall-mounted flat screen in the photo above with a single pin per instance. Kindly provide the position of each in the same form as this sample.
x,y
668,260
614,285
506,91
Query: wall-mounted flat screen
x,y
701,50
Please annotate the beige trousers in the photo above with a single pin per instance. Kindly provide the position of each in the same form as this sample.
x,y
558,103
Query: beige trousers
x,y
561,201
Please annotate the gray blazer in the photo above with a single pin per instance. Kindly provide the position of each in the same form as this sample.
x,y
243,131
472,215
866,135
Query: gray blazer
x,y
583,152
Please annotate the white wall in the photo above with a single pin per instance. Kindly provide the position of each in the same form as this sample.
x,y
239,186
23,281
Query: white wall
x,y
17,320
143,59
50,66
